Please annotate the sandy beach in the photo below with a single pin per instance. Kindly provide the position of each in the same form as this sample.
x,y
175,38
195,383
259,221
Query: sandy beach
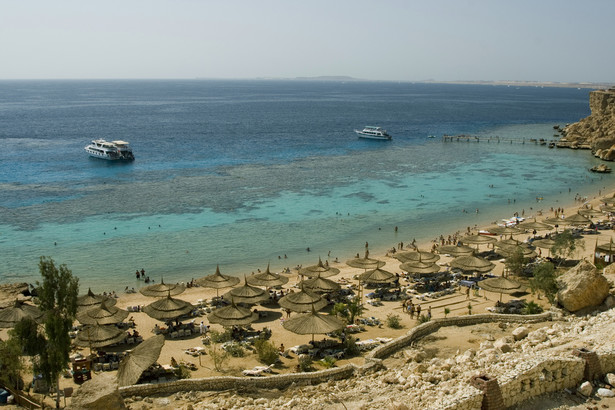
x,y
174,349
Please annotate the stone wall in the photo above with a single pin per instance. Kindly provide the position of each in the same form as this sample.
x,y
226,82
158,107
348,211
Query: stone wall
x,y
228,382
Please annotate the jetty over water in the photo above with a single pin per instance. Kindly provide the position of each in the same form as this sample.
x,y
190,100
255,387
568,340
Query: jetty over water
x,y
551,143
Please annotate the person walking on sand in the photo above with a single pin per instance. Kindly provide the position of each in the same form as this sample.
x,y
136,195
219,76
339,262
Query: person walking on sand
x,y
468,293
429,312
202,328
418,311
411,310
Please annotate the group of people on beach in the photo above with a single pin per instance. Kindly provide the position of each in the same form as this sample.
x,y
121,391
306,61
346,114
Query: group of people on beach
x,y
410,308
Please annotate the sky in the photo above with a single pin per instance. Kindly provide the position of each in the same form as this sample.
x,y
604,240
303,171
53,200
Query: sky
x,y
395,40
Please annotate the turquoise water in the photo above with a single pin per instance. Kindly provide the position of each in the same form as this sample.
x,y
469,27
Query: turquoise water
x,y
247,201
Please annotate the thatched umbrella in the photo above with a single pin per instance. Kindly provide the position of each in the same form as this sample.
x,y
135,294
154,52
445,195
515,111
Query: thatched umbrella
x,y
160,290
508,251
510,242
535,225
319,284
501,285
417,256
267,279
608,208
608,201
377,276
11,315
366,262
577,220
319,268
313,323
420,268
455,250
477,240
608,248
546,243
103,315
90,300
218,281
505,230
302,301
168,308
591,212
99,336
247,294
472,263
138,360
232,315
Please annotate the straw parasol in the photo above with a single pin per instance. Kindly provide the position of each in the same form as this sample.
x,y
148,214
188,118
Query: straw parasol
x,y
319,284
591,212
546,243
11,315
267,279
168,308
365,262
477,240
232,315
302,301
162,289
377,276
505,230
138,360
608,208
319,268
608,248
455,250
535,225
510,242
472,263
313,323
577,220
218,281
508,251
90,300
103,315
420,268
99,336
247,294
608,201
501,285
417,256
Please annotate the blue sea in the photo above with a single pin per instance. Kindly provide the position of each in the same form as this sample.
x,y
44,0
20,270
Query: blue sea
x,y
245,173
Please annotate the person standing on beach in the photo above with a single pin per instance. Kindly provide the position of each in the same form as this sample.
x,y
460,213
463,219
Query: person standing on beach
x,y
202,328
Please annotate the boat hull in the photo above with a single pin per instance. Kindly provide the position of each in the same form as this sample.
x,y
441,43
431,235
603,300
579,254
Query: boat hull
x,y
373,137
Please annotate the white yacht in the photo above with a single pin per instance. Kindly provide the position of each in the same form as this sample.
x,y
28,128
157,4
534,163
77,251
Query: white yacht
x,y
110,150
374,133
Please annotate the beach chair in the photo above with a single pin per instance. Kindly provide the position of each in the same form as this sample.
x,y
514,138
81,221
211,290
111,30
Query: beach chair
x,y
115,365
130,340
106,366
174,335
181,333
251,373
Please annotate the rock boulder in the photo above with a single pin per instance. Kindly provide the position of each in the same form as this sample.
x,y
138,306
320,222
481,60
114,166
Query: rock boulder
x,y
100,393
582,286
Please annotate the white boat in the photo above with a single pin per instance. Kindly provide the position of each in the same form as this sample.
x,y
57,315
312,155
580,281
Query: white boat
x,y
110,150
374,133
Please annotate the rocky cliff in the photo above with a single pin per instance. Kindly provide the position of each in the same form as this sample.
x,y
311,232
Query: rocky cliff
x,y
598,130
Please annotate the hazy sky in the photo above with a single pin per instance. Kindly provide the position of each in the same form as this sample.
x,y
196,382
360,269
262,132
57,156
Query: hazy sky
x,y
406,40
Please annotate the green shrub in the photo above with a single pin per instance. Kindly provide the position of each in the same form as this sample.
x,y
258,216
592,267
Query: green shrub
x,y
305,363
423,319
350,346
220,337
234,349
469,308
266,351
218,356
394,321
328,362
531,308
446,312
182,372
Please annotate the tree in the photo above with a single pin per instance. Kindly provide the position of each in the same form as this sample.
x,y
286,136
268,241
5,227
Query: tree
x,y
348,310
544,280
516,262
57,299
11,364
566,245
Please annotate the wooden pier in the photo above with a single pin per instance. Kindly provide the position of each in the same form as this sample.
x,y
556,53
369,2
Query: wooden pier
x,y
498,140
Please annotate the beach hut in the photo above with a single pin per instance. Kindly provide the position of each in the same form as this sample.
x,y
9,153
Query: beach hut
x,y
377,276
420,268
455,250
577,220
477,240
138,360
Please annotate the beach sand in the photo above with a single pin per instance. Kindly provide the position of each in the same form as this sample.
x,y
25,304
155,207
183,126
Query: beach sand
x,y
457,303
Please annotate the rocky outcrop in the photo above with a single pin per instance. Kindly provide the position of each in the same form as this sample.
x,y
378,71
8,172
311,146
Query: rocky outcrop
x,y
581,287
598,130
100,393
10,292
